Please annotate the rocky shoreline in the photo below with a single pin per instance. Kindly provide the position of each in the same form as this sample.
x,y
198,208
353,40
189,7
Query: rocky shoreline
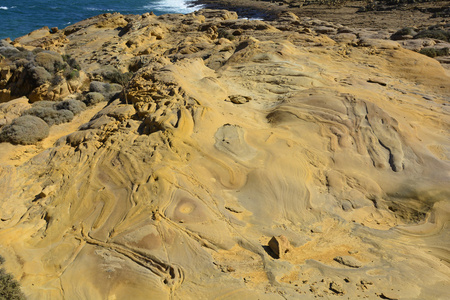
x,y
206,156
357,14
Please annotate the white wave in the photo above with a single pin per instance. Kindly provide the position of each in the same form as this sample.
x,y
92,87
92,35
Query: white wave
x,y
172,6
3,8
98,9
252,19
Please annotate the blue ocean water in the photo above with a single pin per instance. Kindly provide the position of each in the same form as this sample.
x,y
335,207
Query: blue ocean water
x,y
19,17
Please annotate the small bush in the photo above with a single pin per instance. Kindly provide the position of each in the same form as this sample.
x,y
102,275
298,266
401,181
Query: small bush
x,y
93,98
433,52
37,50
9,52
14,53
104,88
49,60
50,115
57,80
119,78
44,103
72,74
109,91
402,32
9,287
438,34
73,105
24,130
71,62
40,75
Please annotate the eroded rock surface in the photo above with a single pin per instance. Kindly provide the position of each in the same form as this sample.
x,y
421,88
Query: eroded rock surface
x,y
171,191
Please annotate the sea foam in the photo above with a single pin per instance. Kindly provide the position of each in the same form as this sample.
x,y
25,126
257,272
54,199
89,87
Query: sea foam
x,y
178,6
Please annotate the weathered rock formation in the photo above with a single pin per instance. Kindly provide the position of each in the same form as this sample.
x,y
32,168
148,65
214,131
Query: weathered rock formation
x,y
228,133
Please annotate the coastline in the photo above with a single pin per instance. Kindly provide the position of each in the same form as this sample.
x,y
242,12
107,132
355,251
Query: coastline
x,y
348,14
19,20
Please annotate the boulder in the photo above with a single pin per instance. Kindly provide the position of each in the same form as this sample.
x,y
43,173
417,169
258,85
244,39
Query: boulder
x,y
280,246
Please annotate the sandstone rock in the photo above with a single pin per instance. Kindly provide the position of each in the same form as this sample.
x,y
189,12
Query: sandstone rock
x,y
380,44
47,191
230,139
348,38
325,30
280,246
122,112
5,95
152,198
391,295
348,261
337,288
13,109
239,99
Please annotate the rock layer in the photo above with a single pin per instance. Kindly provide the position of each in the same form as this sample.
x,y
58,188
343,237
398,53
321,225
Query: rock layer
x,y
174,190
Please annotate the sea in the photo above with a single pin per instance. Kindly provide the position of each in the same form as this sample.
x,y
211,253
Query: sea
x,y
19,17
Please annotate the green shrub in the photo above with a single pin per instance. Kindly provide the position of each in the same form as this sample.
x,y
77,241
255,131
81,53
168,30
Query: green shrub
x,y
9,287
73,105
49,60
71,62
404,31
24,130
119,78
108,90
50,115
433,52
57,79
40,75
93,98
72,74
439,34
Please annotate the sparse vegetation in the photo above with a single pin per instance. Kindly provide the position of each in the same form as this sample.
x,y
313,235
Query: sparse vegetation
x,y
119,78
123,79
409,31
72,105
108,90
50,115
24,130
49,60
93,98
433,52
35,68
115,78
9,287
384,5
40,75
71,62
439,34
54,113
73,74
